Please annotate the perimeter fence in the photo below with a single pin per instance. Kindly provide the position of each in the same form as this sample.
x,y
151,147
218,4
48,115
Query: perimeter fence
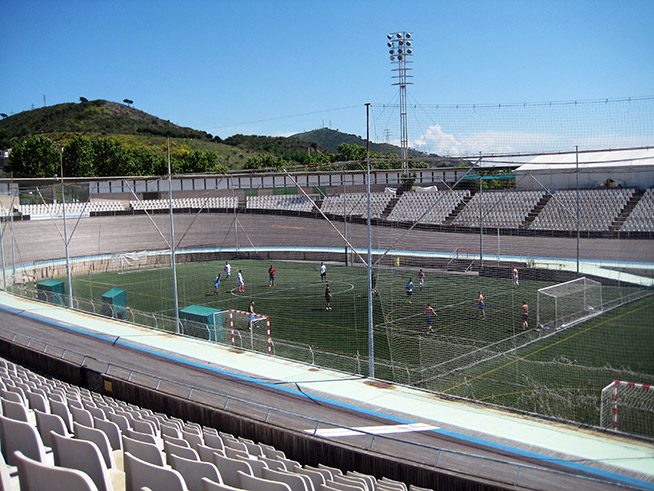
x,y
457,257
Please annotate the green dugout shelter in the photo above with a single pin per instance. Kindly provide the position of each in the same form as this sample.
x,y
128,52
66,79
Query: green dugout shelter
x,y
202,322
51,291
114,303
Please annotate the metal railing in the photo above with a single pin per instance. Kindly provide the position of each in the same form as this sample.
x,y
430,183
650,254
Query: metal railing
x,y
190,393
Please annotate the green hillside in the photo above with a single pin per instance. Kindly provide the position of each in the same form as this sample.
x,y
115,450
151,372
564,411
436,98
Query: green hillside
x,y
330,140
137,142
92,117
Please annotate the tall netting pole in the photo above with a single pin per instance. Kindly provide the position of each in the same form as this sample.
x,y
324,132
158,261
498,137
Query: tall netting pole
x,y
371,340
172,239
63,210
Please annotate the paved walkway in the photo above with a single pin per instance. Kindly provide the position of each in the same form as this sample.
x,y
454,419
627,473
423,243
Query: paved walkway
x,y
413,404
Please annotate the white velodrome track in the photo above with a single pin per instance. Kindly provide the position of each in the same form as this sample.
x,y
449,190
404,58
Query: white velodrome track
x,y
629,462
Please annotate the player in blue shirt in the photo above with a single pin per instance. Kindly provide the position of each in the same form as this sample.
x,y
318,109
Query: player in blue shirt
x,y
409,290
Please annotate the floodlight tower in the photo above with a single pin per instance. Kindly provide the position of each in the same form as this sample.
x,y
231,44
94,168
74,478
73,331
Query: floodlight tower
x,y
399,44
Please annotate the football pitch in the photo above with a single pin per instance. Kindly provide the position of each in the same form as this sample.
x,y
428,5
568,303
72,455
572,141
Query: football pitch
x,y
493,360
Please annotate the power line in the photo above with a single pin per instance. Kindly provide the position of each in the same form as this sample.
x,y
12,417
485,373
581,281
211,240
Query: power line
x,y
285,117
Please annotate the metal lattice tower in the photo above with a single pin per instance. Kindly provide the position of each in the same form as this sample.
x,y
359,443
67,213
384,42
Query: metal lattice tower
x,y
400,49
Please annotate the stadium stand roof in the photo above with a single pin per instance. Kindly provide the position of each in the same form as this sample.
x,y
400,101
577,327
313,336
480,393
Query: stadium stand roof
x,y
627,168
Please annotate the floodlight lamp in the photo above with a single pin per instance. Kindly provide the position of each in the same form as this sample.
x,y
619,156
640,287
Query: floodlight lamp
x,y
391,51
389,44
392,58
399,35
399,57
409,51
407,35
390,36
408,43
399,50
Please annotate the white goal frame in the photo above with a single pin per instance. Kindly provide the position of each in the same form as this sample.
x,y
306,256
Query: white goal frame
x,y
257,317
613,398
588,306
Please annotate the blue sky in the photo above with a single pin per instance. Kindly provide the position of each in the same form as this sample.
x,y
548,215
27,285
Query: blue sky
x,y
281,67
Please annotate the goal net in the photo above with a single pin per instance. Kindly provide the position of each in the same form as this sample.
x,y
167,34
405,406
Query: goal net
x,y
560,306
248,331
628,407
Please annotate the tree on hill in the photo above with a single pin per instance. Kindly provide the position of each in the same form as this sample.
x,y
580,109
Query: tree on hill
x,y
265,161
128,102
34,156
79,157
109,156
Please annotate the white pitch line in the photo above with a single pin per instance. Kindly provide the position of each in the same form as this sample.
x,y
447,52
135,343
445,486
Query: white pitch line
x,y
374,430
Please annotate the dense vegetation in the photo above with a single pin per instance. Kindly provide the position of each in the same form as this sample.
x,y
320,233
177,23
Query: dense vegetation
x,y
37,156
101,138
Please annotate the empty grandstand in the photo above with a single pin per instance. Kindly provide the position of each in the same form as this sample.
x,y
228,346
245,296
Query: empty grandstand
x,y
432,207
598,209
356,204
211,202
500,209
57,435
57,209
292,203
641,218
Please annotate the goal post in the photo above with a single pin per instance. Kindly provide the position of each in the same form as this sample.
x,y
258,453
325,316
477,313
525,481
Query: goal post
x,y
240,320
628,407
560,306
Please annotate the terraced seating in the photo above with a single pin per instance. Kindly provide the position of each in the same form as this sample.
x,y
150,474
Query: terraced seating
x,y
598,208
72,209
291,203
224,202
141,451
641,218
438,204
500,209
356,204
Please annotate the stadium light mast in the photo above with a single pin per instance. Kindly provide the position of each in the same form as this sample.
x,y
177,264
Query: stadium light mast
x,y
400,50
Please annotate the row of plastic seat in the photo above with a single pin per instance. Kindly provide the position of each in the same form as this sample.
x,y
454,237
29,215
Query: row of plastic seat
x,y
598,209
641,218
432,207
57,208
54,433
277,202
207,202
356,204
499,209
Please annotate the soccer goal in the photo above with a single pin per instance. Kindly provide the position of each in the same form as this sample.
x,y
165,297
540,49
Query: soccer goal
x,y
240,321
628,407
560,306
123,262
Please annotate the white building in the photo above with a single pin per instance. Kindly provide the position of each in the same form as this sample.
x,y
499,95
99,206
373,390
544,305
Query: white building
x,y
623,168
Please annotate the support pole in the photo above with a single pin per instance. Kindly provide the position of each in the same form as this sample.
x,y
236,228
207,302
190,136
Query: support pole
x,y
2,253
172,238
63,209
371,341
578,211
481,223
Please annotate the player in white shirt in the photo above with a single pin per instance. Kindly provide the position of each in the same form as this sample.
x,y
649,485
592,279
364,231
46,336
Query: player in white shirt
x,y
241,283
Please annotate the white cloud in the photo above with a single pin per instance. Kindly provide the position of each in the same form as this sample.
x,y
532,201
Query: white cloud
x,y
436,140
